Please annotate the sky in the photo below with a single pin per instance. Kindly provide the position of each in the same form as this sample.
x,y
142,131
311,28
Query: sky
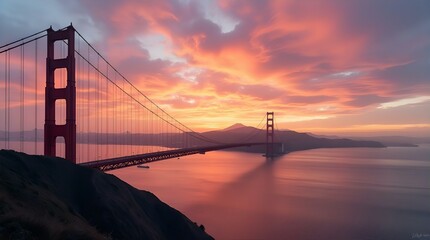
x,y
338,67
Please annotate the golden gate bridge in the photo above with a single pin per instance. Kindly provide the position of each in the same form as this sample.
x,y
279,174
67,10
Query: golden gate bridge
x,y
90,113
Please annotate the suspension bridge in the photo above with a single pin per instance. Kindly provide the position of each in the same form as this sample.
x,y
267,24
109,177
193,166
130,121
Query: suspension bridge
x,y
61,97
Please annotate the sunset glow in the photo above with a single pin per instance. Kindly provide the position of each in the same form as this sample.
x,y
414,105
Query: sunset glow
x,y
329,67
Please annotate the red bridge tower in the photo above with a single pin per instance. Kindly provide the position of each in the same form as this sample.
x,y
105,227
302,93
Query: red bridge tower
x,y
270,134
68,93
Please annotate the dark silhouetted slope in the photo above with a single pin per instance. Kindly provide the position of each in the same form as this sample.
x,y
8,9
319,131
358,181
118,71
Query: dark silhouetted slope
x,y
51,198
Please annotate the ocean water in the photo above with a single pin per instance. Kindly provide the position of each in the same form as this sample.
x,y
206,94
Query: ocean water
x,y
346,193
349,193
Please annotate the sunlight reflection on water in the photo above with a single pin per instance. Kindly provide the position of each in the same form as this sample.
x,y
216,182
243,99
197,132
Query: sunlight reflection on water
x,y
317,194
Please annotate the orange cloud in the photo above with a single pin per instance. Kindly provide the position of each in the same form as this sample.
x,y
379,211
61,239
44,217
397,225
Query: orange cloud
x,y
304,59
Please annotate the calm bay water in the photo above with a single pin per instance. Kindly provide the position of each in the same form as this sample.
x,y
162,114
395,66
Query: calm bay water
x,y
355,193
359,193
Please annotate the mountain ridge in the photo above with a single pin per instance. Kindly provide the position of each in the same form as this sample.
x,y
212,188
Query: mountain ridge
x,y
291,140
234,126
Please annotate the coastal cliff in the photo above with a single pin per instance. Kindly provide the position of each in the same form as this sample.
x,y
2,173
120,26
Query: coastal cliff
x,y
51,198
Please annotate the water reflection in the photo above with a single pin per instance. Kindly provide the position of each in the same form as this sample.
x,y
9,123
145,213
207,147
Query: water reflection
x,y
314,194
317,194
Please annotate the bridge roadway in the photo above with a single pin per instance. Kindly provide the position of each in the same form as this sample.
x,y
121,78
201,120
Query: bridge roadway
x,y
126,161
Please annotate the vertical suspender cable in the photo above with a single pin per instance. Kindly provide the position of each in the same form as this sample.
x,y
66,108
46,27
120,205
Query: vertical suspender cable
x,y
128,125
8,100
88,105
163,135
121,122
167,133
129,111
155,132
162,145
161,124
107,111
133,126
128,117
160,133
136,128
78,105
5,99
171,132
115,115
123,137
21,135
152,132
98,106
35,98
121,115
141,136
145,130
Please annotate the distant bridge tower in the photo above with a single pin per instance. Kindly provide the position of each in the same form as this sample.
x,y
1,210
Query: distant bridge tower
x,y
68,93
270,134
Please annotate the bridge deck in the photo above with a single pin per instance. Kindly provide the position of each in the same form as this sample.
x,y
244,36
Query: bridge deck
x,y
126,161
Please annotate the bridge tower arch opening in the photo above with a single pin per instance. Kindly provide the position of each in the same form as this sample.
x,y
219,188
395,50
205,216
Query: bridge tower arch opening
x,y
270,134
68,93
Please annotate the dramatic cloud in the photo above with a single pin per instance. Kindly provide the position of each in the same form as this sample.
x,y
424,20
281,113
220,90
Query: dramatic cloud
x,y
230,61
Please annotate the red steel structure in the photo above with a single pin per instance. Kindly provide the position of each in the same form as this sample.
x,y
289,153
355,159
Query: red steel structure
x,y
270,134
68,93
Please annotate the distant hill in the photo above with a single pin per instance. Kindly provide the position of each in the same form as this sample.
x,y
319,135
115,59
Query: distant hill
x,y
392,141
400,141
234,126
292,141
51,198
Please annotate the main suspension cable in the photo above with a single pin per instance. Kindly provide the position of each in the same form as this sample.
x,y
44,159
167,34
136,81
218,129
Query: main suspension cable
x,y
22,39
181,124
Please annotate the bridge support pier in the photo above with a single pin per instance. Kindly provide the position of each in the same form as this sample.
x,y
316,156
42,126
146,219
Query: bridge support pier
x,y
68,93
270,134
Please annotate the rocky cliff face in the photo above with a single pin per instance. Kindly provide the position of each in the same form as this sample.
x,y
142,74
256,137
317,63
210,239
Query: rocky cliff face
x,y
51,198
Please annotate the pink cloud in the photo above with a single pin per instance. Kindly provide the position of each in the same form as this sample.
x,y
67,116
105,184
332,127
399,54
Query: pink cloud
x,y
293,56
